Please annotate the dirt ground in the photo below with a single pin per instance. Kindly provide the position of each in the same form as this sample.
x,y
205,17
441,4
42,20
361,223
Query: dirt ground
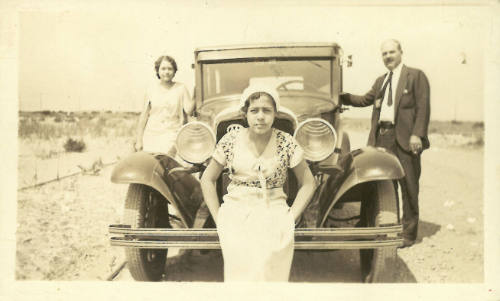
x,y
62,230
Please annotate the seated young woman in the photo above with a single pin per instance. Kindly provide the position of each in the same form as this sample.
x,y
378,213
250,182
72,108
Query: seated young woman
x,y
254,223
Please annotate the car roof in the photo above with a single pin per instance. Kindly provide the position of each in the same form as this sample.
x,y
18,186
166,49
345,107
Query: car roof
x,y
317,49
266,45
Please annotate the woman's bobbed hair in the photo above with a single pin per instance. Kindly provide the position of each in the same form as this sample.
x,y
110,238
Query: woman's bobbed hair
x,y
165,58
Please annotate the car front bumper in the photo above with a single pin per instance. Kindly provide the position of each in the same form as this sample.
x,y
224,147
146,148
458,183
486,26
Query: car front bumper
x,y
305,238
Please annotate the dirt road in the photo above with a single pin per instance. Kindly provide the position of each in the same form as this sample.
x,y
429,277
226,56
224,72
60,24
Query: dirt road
x,y
62,231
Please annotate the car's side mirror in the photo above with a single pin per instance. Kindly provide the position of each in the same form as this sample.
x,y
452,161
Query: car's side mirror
x,y
347,61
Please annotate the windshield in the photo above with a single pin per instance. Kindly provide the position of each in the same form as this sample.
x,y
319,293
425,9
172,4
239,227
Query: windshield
x,y
299,75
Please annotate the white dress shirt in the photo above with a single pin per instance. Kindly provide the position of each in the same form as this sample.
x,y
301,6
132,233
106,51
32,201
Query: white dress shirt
x,y
386,112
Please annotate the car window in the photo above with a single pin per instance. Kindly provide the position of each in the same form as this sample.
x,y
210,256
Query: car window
x,y
299,75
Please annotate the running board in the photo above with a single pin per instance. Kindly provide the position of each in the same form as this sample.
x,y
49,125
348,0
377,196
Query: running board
x,y
305,238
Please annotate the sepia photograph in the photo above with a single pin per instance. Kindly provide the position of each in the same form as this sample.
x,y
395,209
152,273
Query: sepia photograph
x,y
267,150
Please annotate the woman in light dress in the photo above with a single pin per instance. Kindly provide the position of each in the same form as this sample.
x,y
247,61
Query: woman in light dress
x,y
166,105
254,223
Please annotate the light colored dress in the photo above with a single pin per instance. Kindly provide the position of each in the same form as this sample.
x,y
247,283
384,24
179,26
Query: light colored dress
x,y
165,117
255,227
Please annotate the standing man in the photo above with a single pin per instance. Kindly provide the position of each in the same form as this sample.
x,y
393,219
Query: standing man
x,y
400,117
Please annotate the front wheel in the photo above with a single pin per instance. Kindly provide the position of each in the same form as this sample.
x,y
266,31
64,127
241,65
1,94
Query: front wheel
x,y
145,208
380,209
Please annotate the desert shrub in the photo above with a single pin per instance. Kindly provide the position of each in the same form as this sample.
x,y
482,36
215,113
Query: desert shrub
x,y
132,114
61,126
478,125
84,116
479,142
94,114
73,145
46,112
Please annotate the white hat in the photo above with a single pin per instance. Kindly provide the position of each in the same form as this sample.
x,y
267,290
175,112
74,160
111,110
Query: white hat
x,y
260,87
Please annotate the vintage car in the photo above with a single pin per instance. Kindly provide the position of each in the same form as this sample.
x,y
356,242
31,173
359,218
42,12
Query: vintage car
x,y
164,205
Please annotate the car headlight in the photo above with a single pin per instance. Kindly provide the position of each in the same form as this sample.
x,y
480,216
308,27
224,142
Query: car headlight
x,y
195,142
317,138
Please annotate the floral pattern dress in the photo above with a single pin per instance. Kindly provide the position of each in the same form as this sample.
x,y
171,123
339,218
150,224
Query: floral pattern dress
x,y
255,227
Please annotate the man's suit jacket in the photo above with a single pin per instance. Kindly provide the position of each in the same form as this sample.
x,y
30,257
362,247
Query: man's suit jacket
x,y
412,106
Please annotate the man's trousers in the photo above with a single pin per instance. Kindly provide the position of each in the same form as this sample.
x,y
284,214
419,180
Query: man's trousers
x,y
386,138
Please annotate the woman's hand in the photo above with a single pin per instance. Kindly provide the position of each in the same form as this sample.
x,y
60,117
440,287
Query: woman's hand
x,y
138,146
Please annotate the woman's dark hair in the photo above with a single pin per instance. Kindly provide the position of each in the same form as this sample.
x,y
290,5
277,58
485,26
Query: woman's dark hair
x,y
255,96
165,58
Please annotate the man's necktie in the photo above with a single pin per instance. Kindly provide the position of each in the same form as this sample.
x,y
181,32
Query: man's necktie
x,y
388,82
389,101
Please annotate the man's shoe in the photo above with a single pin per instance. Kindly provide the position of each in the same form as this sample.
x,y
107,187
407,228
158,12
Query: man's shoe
x,y
407,243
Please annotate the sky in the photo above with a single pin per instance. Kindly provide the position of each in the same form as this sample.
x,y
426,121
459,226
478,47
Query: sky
x,y
86,58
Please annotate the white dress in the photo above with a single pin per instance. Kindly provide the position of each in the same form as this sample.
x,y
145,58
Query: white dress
x,y
165,117
255,227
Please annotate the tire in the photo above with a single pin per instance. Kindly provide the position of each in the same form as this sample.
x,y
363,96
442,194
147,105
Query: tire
x,y
379,265
145,208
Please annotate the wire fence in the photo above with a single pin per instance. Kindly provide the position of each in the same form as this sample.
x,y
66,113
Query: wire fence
x,y
96,170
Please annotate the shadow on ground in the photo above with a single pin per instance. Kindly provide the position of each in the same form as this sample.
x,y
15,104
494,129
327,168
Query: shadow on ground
x,y
195,265
340,266
426,229
403,273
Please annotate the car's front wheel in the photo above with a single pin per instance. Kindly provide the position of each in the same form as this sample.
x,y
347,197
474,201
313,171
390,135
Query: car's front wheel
x,y
145,208
380,209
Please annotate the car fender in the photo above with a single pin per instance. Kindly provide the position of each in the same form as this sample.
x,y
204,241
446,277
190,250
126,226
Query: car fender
x,y
359,166
167,176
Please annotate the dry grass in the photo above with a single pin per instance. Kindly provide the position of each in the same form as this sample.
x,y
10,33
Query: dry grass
x,y
442,127
442,133
48,131
53,125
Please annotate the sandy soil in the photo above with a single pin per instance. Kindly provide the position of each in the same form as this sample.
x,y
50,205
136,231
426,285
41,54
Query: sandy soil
x,y
62,230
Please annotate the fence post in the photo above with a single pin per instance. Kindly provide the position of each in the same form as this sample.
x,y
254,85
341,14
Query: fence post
x,y
35,177
57,175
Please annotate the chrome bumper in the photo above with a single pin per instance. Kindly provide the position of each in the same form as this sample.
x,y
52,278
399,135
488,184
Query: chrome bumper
x,y
305,238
